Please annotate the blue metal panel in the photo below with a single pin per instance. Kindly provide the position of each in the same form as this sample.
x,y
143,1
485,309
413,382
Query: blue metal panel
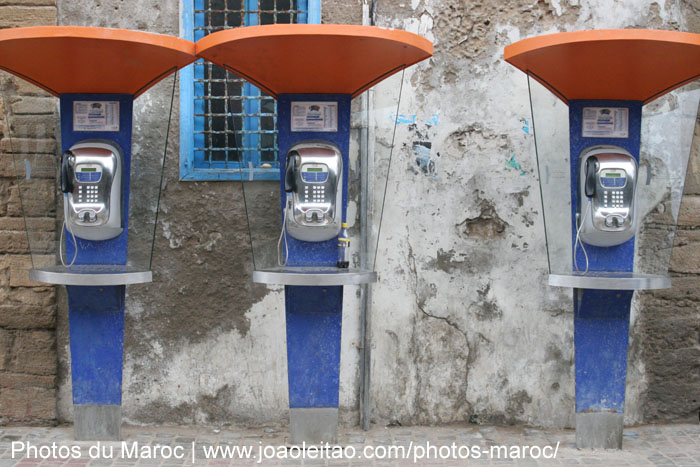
x,y
314,253
96,314
601,329
601,318
111,251
620,257
96,320
314,316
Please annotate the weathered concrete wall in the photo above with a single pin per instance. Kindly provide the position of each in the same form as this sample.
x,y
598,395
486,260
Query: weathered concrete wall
x,y
475,314
464,325
28,362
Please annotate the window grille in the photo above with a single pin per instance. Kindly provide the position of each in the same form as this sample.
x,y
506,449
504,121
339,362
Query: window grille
x,y
233,124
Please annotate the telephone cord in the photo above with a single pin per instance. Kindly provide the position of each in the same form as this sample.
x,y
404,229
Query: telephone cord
x,y
60,243
282,258
580,242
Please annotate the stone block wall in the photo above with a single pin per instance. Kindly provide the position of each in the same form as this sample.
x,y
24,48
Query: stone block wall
x,y
669,320
28,362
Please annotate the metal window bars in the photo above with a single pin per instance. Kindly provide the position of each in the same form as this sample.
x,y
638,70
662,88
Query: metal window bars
x,y
236,123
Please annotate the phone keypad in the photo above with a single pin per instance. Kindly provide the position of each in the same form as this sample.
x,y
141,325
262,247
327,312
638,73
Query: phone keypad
x,y
88,194
317,194
613,199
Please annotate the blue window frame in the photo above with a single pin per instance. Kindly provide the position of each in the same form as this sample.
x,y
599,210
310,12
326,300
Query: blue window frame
x,y
228,127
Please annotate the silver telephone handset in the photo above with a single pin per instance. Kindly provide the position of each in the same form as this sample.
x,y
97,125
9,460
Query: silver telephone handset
x,y
607,196
314,187
91,178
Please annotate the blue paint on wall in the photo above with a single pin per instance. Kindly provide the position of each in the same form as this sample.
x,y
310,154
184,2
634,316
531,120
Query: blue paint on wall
x,y
402,118
313,253
96,320
111,251
601,317
620,257
513,164
526,125
314,316
96,314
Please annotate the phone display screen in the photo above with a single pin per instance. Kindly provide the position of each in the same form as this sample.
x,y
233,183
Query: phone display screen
x,y
314,172
88,173
613,178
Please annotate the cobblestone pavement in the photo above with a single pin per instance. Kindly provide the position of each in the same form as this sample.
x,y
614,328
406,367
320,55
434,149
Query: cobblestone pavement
x,y
642,445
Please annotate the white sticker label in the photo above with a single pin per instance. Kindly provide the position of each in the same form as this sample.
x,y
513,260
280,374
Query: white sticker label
x,y
605,122
314,116
95,116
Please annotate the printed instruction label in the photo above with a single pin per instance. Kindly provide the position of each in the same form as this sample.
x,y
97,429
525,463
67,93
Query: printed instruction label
x,y
96,116
314,116
606,122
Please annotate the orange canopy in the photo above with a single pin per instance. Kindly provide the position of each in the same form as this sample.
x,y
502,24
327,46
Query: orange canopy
x,y
73,59
314,58
616,64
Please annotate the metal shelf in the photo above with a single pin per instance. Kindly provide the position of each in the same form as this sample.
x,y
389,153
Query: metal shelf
x,y
314,276
91,274
602,280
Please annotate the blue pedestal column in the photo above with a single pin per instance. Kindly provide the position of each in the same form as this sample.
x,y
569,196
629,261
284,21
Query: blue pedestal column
x,y
601,317
313,314
601,329
96,320
96,314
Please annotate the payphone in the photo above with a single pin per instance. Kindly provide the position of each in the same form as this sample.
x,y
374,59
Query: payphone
x,y
84,67
595,196
309,79
91,179
313,184
607,202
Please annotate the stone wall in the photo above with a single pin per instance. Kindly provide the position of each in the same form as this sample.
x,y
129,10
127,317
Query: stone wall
x,y
669,324
28,362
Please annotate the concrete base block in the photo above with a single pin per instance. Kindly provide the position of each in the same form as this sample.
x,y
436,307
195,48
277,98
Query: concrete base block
x,y
97,422
602,430
313,426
